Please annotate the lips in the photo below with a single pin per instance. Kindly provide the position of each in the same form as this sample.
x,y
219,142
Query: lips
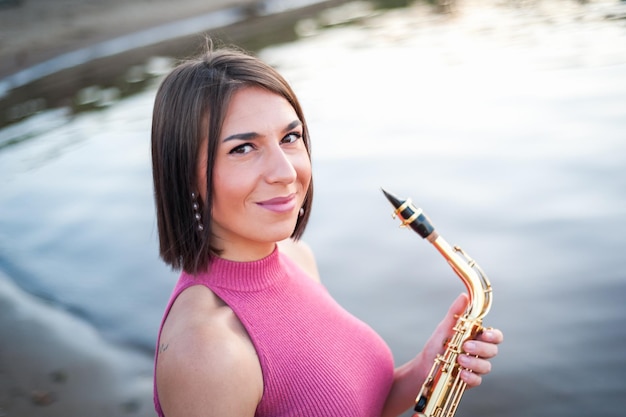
x,y
279,204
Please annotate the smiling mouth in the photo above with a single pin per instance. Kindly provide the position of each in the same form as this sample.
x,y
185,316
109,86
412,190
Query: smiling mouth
x,y
279,204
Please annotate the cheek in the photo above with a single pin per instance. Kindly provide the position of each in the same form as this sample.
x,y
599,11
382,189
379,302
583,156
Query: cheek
x,y
230,189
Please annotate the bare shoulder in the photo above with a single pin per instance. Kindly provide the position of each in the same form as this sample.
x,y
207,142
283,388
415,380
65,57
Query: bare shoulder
x,y
206,363
301,253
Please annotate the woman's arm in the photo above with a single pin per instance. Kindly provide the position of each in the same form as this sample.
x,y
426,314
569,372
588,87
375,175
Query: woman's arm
x,y
409,377
207,365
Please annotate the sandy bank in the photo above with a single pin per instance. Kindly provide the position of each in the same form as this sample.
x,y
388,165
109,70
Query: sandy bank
x,y
32,31
54,364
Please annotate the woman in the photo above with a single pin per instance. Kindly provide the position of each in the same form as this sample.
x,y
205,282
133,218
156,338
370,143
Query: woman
x,y
249,330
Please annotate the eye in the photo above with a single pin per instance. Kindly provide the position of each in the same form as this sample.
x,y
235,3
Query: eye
x,y
242,149
292,137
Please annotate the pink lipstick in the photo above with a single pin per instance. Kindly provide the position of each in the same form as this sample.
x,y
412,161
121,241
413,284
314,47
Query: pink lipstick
x,y
279,204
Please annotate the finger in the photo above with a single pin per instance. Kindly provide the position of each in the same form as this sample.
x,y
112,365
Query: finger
x,y
444,331
491,335
474,364
480,349
456,309
471,379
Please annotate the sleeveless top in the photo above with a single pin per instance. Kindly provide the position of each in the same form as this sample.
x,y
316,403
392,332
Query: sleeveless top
x,y
316,358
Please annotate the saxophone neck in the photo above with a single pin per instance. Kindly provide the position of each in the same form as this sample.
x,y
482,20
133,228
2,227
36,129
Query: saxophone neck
x,y
475,281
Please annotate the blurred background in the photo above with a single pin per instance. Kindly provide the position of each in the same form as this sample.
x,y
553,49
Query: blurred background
x,y
504,120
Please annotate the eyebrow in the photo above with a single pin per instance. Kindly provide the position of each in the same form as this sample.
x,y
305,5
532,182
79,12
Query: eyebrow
x,y
254,135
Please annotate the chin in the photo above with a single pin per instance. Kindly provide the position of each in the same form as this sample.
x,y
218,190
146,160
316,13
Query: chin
x,y
282,232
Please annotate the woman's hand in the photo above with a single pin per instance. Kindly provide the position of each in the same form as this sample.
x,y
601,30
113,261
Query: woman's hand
x,y
479,351
409,377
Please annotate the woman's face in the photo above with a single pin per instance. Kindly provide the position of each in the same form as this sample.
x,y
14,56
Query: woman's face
x,y
261,175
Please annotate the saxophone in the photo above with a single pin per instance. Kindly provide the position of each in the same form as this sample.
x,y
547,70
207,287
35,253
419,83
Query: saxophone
x,y
443,388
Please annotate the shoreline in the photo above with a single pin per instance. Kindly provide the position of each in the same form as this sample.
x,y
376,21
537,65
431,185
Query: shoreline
x,y
35,31
53,363
48,54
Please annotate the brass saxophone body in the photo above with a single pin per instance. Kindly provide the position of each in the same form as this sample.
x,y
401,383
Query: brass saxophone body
x,y
443,388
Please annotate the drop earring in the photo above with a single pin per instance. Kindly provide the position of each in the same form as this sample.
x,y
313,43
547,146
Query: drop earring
x,y
196,211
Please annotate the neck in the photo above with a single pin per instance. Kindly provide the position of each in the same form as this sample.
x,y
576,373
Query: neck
x,y
245,253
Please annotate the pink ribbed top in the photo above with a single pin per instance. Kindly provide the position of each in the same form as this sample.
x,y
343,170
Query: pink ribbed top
x,y
316,358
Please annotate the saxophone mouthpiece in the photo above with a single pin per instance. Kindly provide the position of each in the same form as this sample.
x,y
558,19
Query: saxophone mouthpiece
x,y
395,201
410,215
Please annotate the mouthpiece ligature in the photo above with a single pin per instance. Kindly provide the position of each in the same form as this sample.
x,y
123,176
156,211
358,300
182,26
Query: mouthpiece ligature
x,y
411,216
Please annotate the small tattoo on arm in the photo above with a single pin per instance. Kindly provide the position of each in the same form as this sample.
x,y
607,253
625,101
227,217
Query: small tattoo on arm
x,y
163,347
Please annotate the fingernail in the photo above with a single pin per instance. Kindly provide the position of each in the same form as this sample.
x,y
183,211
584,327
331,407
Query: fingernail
x,y
490,334
469,346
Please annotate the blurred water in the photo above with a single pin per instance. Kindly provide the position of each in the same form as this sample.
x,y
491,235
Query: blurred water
x,y
505,123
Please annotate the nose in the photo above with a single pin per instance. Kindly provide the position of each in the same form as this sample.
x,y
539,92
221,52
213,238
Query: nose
x,y
280,167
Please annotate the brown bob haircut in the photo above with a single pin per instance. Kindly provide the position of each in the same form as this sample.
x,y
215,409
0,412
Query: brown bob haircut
x,y
191,105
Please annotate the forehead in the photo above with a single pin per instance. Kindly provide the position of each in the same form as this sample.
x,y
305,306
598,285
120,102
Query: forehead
x,y
256,108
